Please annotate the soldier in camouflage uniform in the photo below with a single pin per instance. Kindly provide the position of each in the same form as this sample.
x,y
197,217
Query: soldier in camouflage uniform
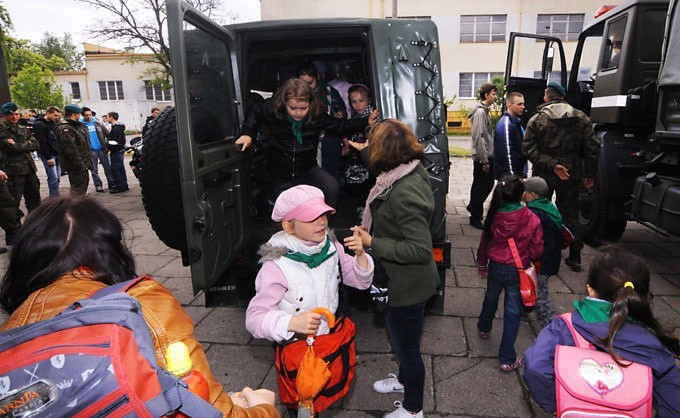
x,y
17,144
9,215
562,146
74,149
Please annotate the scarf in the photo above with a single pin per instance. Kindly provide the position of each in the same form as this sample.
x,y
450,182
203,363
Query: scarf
x,y
384,184
547,206
312,260
509,207
296,126
595,310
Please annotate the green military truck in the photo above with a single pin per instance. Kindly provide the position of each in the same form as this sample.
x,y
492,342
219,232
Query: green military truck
x,y
201,192
632,95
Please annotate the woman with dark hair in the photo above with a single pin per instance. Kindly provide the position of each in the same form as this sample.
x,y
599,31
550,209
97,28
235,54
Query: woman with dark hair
x,y
70,247
295,118
397,229
616,317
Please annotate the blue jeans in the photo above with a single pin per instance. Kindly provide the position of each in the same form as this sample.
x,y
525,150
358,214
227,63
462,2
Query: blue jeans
x,y
405,327
502,277
118,170
53,174
101,156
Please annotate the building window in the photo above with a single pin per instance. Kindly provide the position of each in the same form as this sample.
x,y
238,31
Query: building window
x,y
111,90
483,28
75,90
469,83
156,92
565,27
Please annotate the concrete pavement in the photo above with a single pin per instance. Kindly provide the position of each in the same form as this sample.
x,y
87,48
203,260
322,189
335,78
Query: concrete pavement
x,y
462,375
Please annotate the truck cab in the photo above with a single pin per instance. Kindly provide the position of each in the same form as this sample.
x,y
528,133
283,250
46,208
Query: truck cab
x,y
201,193
619,91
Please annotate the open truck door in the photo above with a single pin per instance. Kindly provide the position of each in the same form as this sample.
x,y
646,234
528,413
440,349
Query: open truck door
x,y
529,66
195,186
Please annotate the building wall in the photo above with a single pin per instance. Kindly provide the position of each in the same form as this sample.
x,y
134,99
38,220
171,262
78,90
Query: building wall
x,y
458,57
134,108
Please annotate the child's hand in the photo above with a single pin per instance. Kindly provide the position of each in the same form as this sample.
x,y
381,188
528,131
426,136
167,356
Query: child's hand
x,y
353,242
358,145
239,399
305,323
244,140
373,117
366,238
258,397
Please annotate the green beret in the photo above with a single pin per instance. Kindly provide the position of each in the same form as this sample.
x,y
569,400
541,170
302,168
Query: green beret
x,y
73,108
9,108
558,88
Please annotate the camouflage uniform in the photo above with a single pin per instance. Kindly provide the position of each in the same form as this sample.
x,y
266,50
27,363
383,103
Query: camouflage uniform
x,y
19,165
75,154
560,134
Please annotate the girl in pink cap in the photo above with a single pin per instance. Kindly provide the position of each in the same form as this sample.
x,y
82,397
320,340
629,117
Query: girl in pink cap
x,y
301,269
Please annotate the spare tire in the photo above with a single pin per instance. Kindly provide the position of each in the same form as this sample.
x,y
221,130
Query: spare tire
x,y
160,181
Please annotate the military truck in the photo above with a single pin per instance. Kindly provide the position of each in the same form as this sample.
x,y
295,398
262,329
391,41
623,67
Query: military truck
x,y
632,95
201,192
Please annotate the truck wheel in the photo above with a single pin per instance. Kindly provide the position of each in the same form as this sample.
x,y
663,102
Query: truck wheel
x,y
160,181
596,228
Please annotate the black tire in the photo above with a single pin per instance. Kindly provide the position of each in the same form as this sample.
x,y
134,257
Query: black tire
x,y
160,181
596,228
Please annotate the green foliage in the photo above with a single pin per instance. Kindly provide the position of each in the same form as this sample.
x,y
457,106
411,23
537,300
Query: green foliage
x,y
35,88
63,48
497,113
5,26
22,54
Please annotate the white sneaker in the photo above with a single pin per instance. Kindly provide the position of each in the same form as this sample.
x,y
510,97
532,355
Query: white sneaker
x,y
389,385
403,413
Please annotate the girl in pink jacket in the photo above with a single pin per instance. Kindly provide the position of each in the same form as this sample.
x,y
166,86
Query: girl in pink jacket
x,y
507,218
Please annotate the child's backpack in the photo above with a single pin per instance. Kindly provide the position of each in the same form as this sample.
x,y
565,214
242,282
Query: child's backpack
x,y
94,359
589,383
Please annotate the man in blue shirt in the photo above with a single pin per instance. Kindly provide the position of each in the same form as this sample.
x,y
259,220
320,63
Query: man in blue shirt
x,y
100,150
508,155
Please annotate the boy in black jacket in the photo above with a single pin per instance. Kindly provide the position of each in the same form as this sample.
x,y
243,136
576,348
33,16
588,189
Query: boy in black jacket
x,y
117,150
536,194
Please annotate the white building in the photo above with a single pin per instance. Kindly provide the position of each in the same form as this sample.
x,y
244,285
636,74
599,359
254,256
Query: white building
x,y
473,35
113,83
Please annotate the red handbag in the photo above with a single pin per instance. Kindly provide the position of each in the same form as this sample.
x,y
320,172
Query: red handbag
x,y
336,348
527,277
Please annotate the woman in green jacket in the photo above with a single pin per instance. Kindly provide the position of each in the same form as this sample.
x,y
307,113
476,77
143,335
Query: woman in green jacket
x,y
397,229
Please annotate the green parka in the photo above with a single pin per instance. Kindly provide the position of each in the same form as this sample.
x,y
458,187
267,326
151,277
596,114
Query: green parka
x,y
402,240
17,158
74,146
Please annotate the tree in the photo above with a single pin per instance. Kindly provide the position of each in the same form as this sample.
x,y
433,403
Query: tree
x,y
34,87
23,54
5,26
142,24
64,48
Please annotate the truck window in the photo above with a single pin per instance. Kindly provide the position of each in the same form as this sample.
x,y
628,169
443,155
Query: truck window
x,y
209,75
614,42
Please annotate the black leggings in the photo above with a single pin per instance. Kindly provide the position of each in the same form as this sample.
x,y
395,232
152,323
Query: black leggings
x,y
317,177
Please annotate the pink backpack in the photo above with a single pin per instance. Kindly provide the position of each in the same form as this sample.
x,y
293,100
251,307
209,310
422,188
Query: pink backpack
x,y
590,384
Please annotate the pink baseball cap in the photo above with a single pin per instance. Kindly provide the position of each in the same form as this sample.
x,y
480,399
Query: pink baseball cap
x,y
303,203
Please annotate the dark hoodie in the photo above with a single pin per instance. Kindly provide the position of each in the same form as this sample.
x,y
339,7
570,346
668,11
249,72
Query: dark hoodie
x,y
633,342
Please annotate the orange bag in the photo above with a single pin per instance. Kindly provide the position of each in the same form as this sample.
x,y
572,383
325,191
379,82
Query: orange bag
x,y
336,348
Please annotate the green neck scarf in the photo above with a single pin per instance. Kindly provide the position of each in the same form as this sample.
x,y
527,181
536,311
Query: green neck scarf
x,y
549,208
296,125
510,207
595,310
312,260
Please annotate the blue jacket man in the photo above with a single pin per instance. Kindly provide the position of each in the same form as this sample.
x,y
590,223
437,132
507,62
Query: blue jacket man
x,y
508,155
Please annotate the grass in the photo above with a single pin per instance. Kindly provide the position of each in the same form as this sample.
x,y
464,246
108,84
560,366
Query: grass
x,y
459,152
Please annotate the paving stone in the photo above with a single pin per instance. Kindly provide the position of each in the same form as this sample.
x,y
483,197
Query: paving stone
x,y
224,325
443,335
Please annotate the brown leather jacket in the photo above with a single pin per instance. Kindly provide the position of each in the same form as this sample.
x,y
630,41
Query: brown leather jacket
x,y
165,316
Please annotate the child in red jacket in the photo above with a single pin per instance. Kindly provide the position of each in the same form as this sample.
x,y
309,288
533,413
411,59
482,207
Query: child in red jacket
x,y
507,218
